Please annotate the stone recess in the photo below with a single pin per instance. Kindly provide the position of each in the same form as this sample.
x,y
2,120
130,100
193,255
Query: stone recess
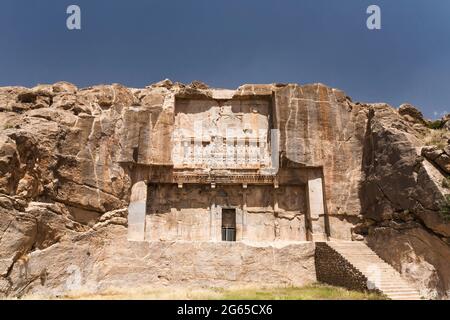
x,y
69,158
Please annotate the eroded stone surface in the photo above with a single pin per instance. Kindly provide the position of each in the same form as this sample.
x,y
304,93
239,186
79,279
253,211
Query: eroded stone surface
x,y
105,260
69,158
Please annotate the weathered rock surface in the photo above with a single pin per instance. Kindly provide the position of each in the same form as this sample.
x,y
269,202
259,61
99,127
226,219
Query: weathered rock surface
x,y
104,260
401,196
321,127
65,180
411,113
440,157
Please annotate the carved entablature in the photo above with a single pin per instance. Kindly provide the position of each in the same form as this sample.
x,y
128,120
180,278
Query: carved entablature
x,y
181,178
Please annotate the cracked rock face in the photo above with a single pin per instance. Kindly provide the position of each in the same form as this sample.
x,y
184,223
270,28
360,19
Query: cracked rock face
x,y
401,198
66,171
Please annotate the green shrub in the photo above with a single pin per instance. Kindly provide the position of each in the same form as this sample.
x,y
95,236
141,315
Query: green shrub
x,y
445,208
437,124
446,183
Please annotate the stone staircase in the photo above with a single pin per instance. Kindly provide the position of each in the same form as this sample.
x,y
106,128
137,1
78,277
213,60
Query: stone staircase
x,y
380,275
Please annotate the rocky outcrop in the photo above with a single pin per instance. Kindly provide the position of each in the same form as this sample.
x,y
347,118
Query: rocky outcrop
x,y
65,154
401,196
68,160
411,113
439,157
59,174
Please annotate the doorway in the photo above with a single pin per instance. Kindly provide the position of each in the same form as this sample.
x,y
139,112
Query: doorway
x,y
228,224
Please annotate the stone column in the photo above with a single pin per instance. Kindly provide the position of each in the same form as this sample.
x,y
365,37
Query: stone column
x,y
316,207
212,222
218,223
244,213
216,218
137,212
275,200
239,213
275,214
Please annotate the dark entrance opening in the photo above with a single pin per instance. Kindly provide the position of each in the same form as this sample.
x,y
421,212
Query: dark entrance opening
x,y
228,224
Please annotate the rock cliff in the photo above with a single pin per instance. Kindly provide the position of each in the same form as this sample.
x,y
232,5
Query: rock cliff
x,y
66,160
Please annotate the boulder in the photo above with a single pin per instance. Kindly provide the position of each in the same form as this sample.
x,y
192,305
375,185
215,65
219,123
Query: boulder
x,y
431,152
443,161
64,87
411,113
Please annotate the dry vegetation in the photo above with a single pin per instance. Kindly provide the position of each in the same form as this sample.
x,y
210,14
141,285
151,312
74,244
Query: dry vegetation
x,y
436,137
311,292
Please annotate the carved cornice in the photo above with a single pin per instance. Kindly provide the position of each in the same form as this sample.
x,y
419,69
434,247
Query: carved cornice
x,y
224,179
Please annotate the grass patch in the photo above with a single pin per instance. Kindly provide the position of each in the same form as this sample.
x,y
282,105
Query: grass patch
x,y
311,292
436,138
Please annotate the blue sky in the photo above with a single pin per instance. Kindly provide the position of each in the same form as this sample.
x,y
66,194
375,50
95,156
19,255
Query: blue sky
x,y
226,43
